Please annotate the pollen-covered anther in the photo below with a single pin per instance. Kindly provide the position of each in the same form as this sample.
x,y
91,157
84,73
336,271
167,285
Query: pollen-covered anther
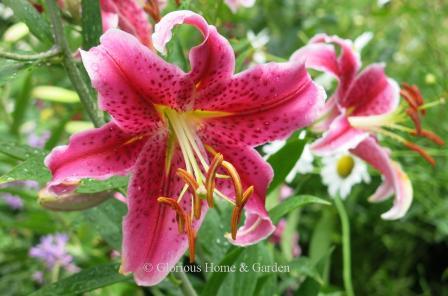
x,y
237,210
420,151
412,95
413,114
233,173
184,223
429,135
193,186
210,177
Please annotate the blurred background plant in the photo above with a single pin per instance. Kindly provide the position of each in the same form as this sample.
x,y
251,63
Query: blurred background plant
x,y
40,109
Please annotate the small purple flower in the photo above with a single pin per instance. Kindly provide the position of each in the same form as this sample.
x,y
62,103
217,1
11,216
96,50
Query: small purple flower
x,y
52,251
38,277
14,202
38,141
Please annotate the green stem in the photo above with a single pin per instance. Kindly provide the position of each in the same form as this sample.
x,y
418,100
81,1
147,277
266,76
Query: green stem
x,y
55,272
52,52
346,257
187,288
73,72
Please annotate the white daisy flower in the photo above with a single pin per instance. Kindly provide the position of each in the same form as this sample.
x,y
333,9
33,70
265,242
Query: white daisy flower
x,y
258,43
340,172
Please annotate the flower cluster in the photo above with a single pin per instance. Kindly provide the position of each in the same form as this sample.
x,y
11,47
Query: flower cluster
x,y
52,252
188,138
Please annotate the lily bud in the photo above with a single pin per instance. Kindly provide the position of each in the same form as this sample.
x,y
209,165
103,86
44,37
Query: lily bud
x,y
71,201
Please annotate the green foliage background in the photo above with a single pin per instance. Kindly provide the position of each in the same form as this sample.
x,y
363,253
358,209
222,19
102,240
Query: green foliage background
x,y
407,257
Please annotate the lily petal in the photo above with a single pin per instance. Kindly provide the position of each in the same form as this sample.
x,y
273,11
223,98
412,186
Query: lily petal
x,y
212,61
379,158
254,171
262,111
97,153
121,61
340,137
349,60
372,93
318,56
152,244
132,18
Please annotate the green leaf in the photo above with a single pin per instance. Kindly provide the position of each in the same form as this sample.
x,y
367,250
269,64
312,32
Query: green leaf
x,y
107,219
92,186
21,104
304,266
18,151
210,239
24,11
84,281
32,168
243,281
293,203
9,69
214,283
284,160
91,23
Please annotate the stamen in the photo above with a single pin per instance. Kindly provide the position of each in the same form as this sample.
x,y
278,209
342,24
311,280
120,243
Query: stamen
x,y
231,170
210,178
441,101
420,151
191,238
237,210
193,186
413,114
414,91
180,214
430,136
183,221
409,99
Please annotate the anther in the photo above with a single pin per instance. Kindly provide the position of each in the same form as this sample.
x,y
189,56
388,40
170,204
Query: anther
x,y
420,151
237,210
210,178
193,187
413,114
430,136
184,220
409,99
232,172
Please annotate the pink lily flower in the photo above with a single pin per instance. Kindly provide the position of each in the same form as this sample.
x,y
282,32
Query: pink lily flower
x,y
127,15
234,5
185,138
362,104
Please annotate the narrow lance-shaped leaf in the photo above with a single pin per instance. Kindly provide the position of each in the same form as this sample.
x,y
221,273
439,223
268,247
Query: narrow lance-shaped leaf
x,y
9,69
91,23
21,104
25,12
214,283
284,160
84,281
293,203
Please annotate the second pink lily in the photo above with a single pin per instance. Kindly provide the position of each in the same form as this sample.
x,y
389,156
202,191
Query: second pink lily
x,y
361,106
